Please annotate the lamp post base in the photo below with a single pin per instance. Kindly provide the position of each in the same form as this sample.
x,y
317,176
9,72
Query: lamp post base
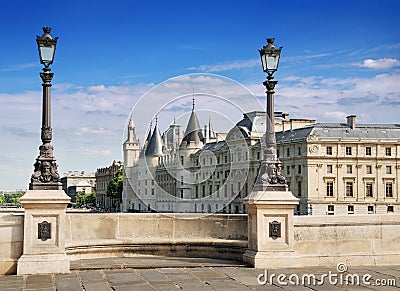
x,y
43,264
44,233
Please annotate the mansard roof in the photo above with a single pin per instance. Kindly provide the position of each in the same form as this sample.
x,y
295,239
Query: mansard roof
x,y
341,131
253,122
218,146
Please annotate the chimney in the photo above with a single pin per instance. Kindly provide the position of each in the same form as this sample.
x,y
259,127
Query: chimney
x,y
351,121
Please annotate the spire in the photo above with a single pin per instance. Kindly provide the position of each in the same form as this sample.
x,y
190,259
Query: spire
x,y
193,101
146,142
212,134
155,146
131,131
193,132
149,135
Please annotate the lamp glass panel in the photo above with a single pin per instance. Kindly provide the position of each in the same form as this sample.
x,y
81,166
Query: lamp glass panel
x,y
46,54
272,63
264,62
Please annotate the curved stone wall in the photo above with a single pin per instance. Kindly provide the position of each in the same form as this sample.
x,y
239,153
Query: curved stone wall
x,y
126,234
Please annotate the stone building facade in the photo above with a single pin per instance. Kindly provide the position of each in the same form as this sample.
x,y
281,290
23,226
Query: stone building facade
x,y
343,168
75,181
103,178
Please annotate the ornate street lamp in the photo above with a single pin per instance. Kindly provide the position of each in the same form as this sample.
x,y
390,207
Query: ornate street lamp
x,y
45,175
270,177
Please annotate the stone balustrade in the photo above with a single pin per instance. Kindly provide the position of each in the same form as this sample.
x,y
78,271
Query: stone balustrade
x,y
318,240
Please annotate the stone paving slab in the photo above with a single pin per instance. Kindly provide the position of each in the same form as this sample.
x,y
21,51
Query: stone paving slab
x,y
194,274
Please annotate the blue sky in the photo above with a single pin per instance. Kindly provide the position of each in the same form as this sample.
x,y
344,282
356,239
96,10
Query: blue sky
x,y
339,58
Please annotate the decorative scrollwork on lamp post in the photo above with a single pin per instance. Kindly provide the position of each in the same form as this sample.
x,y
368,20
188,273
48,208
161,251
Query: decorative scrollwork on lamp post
x,y
45,175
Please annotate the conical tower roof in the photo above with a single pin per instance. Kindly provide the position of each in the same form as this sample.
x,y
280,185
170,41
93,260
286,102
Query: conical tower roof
x,y
155,146
193,132
146,142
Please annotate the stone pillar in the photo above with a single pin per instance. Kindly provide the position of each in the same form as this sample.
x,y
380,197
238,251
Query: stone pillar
x,y
44,233
270,229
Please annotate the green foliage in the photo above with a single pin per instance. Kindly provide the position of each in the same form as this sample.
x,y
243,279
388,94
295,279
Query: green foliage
x,y
91,198
82,198
11,198
114,188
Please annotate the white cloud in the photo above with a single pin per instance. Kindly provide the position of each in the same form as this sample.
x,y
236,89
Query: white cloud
x,y
19,67
89,122
379,64
96,152
227,66
95,131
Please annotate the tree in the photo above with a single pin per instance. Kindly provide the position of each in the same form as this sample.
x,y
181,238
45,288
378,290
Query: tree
x,y
91,198
114,188
83,198
12,197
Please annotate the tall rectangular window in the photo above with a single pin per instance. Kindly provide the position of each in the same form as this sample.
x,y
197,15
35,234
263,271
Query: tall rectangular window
x,y
349,169
299,169
331,209
329,188
368,151
389,189
388,151
369,189
369,169
299,188
299,151
288,152
348,151
388,169
288,170
329,150
349,189
329,169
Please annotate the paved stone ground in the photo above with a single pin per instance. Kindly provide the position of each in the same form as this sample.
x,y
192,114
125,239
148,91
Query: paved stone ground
x,y
171,273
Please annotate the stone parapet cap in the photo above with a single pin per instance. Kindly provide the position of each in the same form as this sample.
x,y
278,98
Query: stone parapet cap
x,y
271,198
341,220
47,197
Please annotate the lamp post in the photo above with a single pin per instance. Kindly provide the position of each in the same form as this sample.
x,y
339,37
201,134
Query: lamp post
x,y
270,177
45,175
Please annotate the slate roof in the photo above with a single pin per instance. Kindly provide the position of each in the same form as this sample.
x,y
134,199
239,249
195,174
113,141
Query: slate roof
x,y
253,121
193,132
155,146
343,131
214,147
